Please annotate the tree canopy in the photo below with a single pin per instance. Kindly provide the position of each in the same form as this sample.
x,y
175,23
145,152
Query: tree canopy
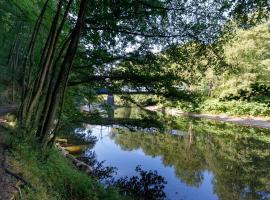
x,y
54,46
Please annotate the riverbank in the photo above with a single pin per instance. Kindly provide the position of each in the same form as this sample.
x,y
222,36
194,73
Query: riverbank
x,y
28,173
53,176
9,185
258,122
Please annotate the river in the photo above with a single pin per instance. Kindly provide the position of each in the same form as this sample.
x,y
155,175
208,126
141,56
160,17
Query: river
x,y
199,159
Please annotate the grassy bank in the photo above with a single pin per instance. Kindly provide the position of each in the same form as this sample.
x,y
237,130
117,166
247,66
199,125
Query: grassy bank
x,y
52,176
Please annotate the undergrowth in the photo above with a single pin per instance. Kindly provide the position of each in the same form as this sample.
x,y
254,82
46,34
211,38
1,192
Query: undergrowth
x,y
53,177
235,107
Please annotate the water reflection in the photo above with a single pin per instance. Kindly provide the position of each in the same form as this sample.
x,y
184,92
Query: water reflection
x,y
196,164
199,159
240,165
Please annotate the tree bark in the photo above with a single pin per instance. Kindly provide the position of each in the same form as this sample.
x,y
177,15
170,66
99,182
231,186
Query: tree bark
x,y
47,56
57,88
47,60
29,58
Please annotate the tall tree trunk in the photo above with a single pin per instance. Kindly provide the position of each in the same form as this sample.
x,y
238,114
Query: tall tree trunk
x,y
58,89
12,62
14,72
47,60
28,59
30,51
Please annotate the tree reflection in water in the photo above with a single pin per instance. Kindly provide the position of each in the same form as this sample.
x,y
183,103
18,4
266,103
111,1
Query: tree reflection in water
x,y
146,185
239,157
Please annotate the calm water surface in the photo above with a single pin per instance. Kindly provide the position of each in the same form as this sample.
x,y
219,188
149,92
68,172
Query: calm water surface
x,y
201,160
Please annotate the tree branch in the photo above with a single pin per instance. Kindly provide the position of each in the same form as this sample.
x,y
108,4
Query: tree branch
x,y
159,7
125,77
136,33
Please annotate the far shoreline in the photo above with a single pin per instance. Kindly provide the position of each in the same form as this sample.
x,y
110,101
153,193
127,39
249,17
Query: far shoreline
x,y
257,122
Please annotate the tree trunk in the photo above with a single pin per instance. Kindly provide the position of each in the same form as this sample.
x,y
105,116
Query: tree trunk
x,y
28,59
45,60
32,44
48,68
58,89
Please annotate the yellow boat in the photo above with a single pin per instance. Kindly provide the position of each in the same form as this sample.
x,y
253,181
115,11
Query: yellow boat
x,y
76,149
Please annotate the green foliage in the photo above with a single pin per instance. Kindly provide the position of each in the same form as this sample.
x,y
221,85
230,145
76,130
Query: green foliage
x,y
117,44
248,54
54,177
257,92
240,85
235,107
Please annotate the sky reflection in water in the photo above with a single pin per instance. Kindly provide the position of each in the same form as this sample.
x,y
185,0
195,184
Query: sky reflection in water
x,y
222,161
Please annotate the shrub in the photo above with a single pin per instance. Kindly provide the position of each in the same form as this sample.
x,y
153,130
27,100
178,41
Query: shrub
x,y
235,107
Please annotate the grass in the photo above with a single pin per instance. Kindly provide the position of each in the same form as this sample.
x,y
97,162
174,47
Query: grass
x,y
53,176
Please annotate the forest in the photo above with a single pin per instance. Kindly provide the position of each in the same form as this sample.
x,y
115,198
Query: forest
x,y
70,64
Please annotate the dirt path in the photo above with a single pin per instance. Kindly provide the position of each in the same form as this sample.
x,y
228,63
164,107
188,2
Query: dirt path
x,y
7,183
245,121
257,122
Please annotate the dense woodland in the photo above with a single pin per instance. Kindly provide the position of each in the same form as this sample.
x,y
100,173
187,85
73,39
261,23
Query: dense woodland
x,y
199,56
236,85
